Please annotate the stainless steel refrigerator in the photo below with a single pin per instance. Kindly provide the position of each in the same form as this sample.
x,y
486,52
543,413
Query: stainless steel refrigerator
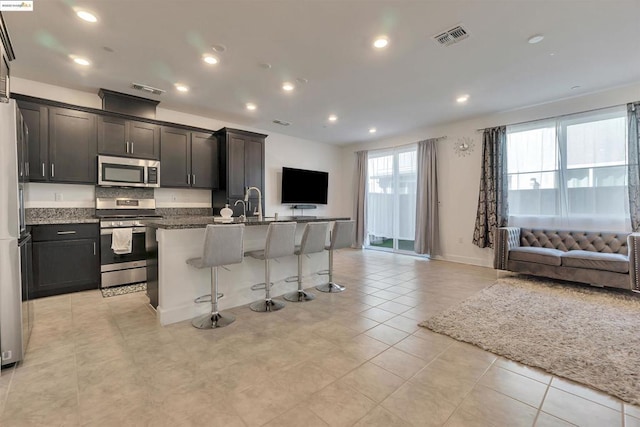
x,y
16,310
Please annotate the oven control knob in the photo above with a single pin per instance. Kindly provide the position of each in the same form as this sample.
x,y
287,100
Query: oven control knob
x,y
120,223
113,224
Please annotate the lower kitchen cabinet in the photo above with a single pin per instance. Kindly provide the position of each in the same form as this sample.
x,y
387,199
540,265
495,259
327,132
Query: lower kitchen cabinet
x,y
65,259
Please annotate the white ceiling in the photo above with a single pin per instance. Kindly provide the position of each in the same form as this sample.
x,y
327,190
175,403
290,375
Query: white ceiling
x,y
411,84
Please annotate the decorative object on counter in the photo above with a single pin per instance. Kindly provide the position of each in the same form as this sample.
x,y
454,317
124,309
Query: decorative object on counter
x,y
342,236
464,146
223,245
226,212
40,216
121,192
122,290
280,243
588,335
314,237
179,212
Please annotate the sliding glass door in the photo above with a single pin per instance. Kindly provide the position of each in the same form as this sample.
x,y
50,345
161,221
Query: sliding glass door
x,y
391,199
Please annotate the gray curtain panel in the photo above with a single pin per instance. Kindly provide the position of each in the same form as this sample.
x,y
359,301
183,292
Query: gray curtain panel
x,y
360,205
426,238
492,201
633,135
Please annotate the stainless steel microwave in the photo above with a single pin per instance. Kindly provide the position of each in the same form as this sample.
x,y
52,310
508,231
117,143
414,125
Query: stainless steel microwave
x,y
128,172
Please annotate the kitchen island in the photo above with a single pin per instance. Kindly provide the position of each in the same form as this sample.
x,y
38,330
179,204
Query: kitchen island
x,y
172,285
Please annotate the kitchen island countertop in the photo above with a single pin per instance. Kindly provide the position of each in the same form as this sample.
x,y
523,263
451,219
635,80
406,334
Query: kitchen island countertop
x,y
183,222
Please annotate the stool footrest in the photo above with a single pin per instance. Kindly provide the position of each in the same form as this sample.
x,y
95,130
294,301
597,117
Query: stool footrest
x,y
291,279
206,298
323,273
260,286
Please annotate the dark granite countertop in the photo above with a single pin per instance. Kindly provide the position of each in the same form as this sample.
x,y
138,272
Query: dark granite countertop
x,y
46,216
178,223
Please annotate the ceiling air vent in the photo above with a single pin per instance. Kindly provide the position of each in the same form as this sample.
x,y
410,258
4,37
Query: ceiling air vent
x,y
451,36
281,122
148,89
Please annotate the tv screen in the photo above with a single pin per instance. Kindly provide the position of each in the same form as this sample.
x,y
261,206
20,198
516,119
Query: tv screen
x,y
304,186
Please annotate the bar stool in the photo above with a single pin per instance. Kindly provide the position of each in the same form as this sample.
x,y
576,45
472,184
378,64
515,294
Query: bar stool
x,y
223,245
313,240
280,243
341,237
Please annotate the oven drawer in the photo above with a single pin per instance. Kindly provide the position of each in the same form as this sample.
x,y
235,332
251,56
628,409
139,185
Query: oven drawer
x,y
138,250
123,277
44,233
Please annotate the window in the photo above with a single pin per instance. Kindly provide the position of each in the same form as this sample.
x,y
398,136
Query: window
x,y
391,199
569,172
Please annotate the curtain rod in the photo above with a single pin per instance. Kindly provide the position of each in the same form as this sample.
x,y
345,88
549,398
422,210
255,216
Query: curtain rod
x,y
406,145
553,117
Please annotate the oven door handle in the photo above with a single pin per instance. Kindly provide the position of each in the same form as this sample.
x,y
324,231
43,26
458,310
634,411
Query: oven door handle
x,y
136,230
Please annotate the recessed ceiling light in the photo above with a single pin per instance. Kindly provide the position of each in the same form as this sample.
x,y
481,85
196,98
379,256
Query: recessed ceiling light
x,y
86,16
219,47
288,86
373,130
462,99
181,87
381,42
575,87
264,65
251,106
209,59
535,39
81,61
333,118
302,80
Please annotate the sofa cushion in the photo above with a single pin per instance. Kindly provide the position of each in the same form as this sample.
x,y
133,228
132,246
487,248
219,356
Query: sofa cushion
x,y
538,255
596,261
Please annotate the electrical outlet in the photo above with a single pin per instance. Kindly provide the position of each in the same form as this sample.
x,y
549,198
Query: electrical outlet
x,y
173,198
59,197
7,355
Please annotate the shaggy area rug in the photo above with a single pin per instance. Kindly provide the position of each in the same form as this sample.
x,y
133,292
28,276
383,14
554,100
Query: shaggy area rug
x,y
588,335
122,290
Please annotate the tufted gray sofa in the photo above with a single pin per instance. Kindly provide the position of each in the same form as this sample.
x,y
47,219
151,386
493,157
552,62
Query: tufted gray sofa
x,y
600,259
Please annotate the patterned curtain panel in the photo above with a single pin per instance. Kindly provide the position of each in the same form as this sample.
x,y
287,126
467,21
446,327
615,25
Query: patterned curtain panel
x,y
360,206
426,237
492,201
633,114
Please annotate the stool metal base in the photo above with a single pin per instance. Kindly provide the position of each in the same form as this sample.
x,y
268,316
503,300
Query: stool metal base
x,y
330,287
299,296
266,305
213,321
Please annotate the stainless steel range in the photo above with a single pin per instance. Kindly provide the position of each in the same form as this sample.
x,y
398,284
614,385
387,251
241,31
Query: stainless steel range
x,y
120,213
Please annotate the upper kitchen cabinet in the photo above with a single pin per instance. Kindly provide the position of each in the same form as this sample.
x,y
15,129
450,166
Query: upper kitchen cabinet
x,y
128,138
72,146
36,117
188,159
241,164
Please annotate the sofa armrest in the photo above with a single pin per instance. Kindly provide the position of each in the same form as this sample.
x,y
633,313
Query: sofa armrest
x,y
633,245
506,239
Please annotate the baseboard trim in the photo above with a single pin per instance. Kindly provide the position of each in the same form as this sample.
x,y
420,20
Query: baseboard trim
x,y
464,260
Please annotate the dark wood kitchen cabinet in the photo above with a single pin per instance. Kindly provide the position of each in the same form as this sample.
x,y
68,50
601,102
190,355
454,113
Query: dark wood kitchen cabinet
x,y
128,138
61,143
189,159
241,166
65,259
72,146
36,117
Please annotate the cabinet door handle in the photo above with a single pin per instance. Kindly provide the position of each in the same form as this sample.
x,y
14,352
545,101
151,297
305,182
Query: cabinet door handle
x,y
53,170
44,174
194,179
131,147
94,248
126,145
189,179
27,165
61,233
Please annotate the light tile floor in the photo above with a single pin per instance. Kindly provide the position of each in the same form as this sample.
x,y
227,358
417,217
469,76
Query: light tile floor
x,y
355,358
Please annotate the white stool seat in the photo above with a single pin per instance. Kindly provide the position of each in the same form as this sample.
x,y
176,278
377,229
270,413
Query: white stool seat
x,y
342,236
223,245
280,242
313,240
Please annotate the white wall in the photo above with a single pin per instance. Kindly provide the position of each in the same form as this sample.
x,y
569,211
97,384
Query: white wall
x,y
459,177
280,150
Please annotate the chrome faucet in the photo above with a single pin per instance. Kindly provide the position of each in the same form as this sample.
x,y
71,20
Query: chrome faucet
x,y
244,209
259,208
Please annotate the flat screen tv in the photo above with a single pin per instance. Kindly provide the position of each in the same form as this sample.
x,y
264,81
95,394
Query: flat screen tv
x,y
304,186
